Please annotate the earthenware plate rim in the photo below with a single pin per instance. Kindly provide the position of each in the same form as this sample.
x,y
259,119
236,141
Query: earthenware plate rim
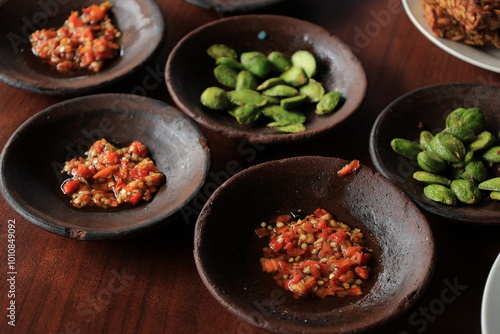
x,y
378,159
106,77
233,6
44,221
223,298
269,138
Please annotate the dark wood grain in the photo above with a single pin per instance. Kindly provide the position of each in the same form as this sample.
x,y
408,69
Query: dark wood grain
x,y
150,284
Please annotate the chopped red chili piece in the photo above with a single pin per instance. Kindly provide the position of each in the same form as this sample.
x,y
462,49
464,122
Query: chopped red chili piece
x,y
70,186
352,167
110,176
262,232
316,255
85,41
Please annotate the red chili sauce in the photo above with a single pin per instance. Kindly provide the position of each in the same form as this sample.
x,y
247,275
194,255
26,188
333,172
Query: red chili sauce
x,y
84,42
110,176
316,255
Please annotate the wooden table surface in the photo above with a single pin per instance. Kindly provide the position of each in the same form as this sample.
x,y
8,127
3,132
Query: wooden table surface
x,y
150,284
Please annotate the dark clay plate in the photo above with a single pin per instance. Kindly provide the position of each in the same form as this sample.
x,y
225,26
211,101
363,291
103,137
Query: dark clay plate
x,y
427,108
31,161
233,5
227,250
189,71
140,21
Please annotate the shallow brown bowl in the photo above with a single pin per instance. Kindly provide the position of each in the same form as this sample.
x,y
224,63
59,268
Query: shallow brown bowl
x,y
427,108
143,31
189,71
227,250
31,161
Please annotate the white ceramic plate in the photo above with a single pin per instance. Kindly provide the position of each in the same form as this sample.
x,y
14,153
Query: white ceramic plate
x,y
490,322
484,57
